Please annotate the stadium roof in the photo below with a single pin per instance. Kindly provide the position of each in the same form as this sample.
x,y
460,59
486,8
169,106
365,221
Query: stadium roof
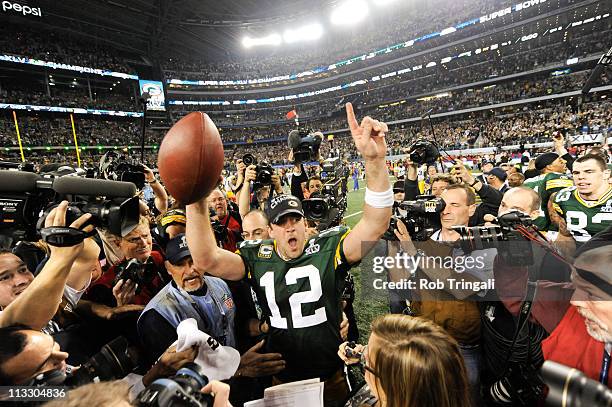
x,y
207,28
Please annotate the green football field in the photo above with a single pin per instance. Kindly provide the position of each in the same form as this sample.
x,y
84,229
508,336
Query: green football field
x,y
367,308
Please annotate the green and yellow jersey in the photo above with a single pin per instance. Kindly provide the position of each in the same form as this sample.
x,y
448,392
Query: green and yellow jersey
x,y
584,218
546,185
301,299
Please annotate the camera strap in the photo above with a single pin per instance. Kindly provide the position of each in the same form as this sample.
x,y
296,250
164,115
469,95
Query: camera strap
x,y
524,312
62,236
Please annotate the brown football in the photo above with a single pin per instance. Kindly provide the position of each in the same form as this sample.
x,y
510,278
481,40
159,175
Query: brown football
x,y
190,158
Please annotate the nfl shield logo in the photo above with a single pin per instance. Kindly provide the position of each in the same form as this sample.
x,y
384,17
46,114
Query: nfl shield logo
x,y
228,301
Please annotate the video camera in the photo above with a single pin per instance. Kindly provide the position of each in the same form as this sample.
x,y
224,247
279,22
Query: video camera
x,y
423,152
512,246
422,217
264,170
182,389
117,167
328,206
24,196
305,145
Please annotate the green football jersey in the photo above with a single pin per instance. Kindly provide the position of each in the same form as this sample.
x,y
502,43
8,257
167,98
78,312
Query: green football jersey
x,y
301,298
545,185
584,218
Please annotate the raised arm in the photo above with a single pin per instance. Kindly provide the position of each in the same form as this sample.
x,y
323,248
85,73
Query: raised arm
x,y
161,196
37,304
369,138
207,256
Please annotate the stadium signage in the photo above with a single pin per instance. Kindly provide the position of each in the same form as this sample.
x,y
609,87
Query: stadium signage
x,y
587,138
55,65
18,8
77,110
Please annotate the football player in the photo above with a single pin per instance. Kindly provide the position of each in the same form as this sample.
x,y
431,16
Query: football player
x,y
585,208
552,179
298,280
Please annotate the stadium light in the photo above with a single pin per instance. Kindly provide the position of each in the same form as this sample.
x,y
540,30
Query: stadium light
x,y
308,32
272,39
349,12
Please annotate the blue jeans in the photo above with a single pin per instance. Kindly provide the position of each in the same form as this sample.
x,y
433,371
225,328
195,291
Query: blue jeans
x,y
472,357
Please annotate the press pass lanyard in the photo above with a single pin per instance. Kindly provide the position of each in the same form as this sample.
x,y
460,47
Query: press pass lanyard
x,y
605,367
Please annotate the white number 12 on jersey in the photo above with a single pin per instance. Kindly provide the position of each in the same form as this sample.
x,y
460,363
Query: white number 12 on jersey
x,y
297,299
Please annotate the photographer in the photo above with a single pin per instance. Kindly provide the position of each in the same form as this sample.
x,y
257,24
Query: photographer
x,y
438,182
30,357
490,196
34,302
138,277
309,344
510,364
451,307
262,194
229,222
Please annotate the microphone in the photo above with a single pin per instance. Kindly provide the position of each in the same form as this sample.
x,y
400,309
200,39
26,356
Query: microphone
x,y
18,181
604,61
294,139
593,78
94,187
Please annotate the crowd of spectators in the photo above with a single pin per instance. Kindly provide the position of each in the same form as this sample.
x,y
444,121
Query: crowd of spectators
x,y
60,48
45,131
524,124
430,81
76,98
425,18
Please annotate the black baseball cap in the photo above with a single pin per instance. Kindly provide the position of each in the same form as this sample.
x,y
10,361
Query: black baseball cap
x,y
543,160
398,186
284,205
497,172
176,249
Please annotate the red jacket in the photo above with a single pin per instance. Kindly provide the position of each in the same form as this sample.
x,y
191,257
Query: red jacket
x,y
570,344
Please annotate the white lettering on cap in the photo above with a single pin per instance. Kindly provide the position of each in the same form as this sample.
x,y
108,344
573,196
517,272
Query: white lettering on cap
x,y
183,243
277,201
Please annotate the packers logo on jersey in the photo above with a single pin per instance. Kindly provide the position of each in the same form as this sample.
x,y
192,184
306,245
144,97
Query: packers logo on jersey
x,y
607,207
265,251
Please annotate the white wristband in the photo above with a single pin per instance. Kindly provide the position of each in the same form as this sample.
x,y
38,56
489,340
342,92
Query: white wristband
x,y
379,199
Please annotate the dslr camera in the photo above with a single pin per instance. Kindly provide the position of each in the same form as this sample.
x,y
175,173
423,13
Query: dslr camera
x,y
264,170
218,228
114,361
305,145
137,272
506,237
328,206
421,217
117,167
182,389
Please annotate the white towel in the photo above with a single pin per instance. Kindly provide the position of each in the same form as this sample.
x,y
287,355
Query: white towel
x,y
219,362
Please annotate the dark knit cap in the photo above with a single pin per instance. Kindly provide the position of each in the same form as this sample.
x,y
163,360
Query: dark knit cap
x,y
545,159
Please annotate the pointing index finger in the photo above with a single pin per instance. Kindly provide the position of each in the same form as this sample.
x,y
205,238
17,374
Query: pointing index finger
x,y
350,117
